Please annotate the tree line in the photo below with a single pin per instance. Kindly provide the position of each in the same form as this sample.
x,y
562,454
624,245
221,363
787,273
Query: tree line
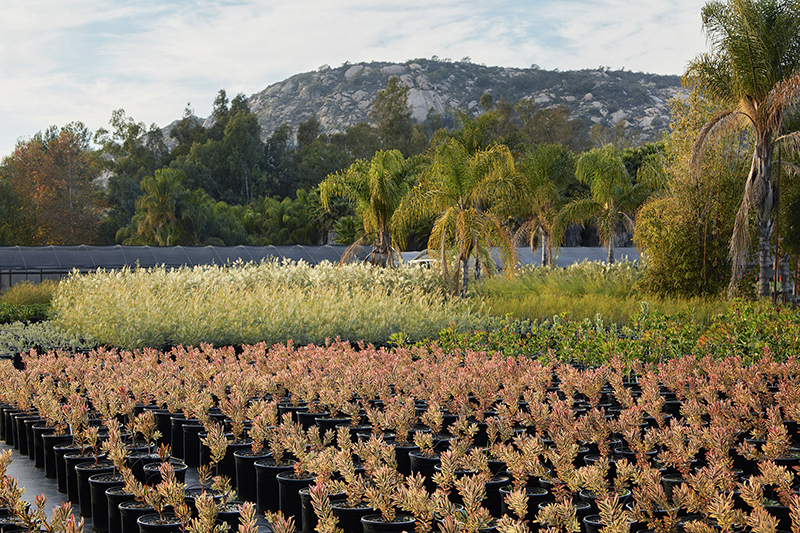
x,y
222,184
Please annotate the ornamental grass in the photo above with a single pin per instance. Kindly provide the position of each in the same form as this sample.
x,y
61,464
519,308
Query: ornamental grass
x,y
250,303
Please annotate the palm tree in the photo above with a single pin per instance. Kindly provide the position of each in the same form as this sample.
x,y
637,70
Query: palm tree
x,y
155,218
612,197
458,190
374,189
752,70
545,174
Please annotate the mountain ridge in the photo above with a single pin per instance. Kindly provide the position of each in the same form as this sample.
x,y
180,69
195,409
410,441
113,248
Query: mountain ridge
x,y
341,97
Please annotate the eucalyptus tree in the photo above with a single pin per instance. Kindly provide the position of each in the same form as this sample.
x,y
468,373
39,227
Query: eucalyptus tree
x,y
752,70
545,174
613,197
374,189
460,190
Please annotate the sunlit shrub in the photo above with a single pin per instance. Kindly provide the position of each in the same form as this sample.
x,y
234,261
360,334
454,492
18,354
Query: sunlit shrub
x,y
250,303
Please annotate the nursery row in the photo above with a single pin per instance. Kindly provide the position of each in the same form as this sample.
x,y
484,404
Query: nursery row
x,y
416,438
248,303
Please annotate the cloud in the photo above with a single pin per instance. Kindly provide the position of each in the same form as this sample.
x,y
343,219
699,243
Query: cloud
x,y
80,60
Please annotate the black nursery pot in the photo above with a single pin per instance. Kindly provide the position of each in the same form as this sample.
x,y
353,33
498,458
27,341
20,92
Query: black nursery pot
x,y
246,473
176,435
375,523
536,496
592,523
21,435
191,444
39,431
71,460
29,423
494,500
61,451
130,511
49,441
425,466
137,461
267,498
84,471
152,523
309,516
350,517
114,497
152,472
98,485
230,514
227,466
289,494
401,454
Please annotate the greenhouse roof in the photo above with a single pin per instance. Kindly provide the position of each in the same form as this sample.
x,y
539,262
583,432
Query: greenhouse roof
x,y
86,258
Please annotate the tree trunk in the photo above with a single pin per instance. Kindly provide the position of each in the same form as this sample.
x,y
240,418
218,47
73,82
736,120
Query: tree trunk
x,y
547,251
786,281
763,200
465,279
610,258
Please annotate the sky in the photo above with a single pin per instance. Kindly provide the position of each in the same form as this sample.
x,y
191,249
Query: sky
x,y
79,60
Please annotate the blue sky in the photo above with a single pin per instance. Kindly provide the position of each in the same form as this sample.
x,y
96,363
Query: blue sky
x,y
66,60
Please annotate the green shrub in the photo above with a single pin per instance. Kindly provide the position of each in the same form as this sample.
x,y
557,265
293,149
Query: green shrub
x,y
27,293
20,337
584,291
25,313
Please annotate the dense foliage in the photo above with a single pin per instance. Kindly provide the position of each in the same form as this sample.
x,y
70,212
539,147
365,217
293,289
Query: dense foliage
x,y
686,199
246,304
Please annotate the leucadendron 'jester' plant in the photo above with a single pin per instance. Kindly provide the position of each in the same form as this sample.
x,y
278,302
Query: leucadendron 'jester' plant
x,y
32,516
668,432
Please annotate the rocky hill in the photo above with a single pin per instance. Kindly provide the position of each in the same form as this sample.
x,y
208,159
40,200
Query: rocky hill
x,y
341,97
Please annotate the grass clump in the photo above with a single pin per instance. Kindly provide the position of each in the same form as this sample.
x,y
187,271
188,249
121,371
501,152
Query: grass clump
x,y
27,302
27,293
584,291
250,303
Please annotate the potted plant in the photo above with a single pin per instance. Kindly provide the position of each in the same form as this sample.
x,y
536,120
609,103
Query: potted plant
x,y
168,494
383,495
264,417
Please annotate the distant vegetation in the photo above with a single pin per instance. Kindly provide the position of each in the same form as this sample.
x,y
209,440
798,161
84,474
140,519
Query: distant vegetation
x,y
537,160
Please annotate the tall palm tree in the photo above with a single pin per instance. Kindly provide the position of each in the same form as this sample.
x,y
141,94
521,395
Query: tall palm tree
x,y
374,189
752,70
613,197
545,174
459,190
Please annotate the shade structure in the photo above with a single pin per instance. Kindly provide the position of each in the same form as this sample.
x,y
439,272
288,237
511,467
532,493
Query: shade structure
x,y
37,263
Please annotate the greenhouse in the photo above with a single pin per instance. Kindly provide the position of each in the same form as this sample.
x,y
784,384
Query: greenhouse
x,y
37,263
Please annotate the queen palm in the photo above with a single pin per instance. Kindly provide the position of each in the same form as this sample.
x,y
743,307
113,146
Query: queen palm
x,y
374,189
612,199
545,174
458,191
752,70
155,220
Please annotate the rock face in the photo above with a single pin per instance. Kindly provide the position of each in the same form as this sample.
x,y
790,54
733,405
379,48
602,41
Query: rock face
x,y
342,97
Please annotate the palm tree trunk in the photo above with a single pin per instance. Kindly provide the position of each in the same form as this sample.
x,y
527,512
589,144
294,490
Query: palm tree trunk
x,y
610,258
786,282
764,200
763,260
547,251
465,279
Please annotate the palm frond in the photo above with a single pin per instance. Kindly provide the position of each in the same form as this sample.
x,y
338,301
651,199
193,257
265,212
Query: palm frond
x,y
723,122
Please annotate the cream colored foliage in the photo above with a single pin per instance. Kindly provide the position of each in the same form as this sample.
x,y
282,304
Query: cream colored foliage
x,y
250,303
